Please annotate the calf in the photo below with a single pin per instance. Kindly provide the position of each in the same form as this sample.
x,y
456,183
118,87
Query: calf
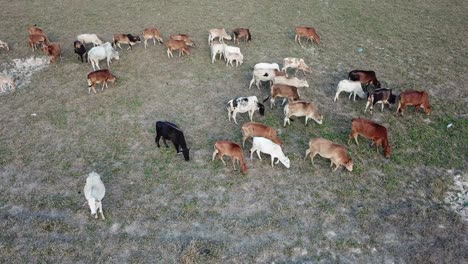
x,y
297,64
100,76
128,39
218,33
302,108
80,49
308,32
6,83
185,38
52,50
4,45
170,131
365,77
420,99
34,30
231,149
329,150
293,81
89,38
152,33
264,145
35,40
217,48
382,96
281,90
244,104
371,130
241,33
233,53
352,87
254,129
177,45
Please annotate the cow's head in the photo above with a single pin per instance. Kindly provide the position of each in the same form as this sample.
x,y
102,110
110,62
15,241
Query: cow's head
x,y
261,109
387,150
349,165
285,161
185,152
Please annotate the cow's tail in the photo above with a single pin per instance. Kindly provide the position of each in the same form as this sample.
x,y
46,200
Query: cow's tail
x,y
266,99
250,36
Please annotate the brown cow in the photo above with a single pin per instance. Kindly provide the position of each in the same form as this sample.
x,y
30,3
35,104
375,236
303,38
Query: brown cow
x,y
35,40
185,38
241,33
365,77
282,90
371,130
177,45
152,33
34,30
308,32
420,99
254,129
329,150
52,50
231,149
128,39
302,108
100,76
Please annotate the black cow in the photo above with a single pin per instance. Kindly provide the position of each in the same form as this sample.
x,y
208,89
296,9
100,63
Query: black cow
x,y
365,77
80,49
383,96
170,131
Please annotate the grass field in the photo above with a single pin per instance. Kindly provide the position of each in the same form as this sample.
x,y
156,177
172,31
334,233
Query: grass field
x,y
161,209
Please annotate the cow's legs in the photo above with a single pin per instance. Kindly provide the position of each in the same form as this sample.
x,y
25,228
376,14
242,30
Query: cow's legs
x,y
156,140
164,141
214,154
234,163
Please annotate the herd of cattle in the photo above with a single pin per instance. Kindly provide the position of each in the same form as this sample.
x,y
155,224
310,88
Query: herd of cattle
x,y
265,139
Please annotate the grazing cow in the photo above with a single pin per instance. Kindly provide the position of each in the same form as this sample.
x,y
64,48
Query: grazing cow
x,y
231,149
254,129
52,50
128,39
35,40
4,45
89,38
170,131
218,33
329,150
302,108
94,191
217,48
34,30
80,49
244,104
420,99
152,33
382,96
100,76
177,45
365,77
308,32
297,64
185,38
6,83
241,33
265,145
281,90
233,53
371,130
351,87
266,66
264,72
293,81
105,51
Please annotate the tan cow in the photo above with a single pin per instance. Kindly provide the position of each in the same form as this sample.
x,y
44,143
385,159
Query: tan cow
x,y
185,38
128,39
302,108
297,64
308,32
6,83
177,45
34,40
218,33
329,150
282,90
254,129
100,76
231,149
152,33
34,30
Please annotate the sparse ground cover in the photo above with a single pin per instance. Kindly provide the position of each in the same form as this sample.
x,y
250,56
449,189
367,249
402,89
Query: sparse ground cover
x,y
162,209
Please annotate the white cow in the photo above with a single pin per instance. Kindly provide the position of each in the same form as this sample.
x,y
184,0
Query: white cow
x,y
352,87
293,81
217,48
105,51
267,146
264,65
94,191
218,33
89,38
232,53
244,104
295,63
264,72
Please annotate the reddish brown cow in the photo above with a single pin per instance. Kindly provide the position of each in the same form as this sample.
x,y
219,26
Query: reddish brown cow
x,y
329,150
177,45
100,76
254,129
185,38
365,77
241,33
420,99
282,90
371,130
52,50
231,149
34,30
308,32
34,40
152,33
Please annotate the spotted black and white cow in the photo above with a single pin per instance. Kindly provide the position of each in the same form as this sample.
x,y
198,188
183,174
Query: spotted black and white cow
x,y
244,104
